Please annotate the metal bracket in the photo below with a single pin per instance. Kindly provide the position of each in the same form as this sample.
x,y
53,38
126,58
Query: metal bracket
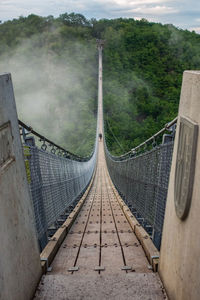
x,y
155,256
126,268
49,269
99,268
73,269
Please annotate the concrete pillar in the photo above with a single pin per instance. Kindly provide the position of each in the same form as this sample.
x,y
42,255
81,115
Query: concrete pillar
x,y
20,268
180,249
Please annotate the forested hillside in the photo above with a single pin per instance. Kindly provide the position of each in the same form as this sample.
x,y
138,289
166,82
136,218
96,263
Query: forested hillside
x,y
143,67
54,67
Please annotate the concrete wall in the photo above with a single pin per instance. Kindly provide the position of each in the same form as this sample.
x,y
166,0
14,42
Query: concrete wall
x,y
20,268
180,250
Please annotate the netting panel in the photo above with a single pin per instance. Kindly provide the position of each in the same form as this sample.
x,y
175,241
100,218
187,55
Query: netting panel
x,y
55,182
143,183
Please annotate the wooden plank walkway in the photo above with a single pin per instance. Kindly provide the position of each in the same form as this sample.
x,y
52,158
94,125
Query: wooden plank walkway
x,y
102,249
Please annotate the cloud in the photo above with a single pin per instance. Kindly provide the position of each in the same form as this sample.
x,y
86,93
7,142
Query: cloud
x,y
155,10
196,29
132,3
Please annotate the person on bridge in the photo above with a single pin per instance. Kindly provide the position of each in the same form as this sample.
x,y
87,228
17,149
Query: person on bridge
x,y
100,136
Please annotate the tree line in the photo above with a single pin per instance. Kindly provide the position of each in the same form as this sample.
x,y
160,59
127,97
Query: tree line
x,y
143,64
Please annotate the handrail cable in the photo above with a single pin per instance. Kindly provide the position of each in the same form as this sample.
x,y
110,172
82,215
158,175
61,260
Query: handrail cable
x,y
152,138
114,135
43,138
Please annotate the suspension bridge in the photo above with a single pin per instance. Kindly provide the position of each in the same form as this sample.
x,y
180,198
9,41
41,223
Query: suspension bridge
x,y
92,228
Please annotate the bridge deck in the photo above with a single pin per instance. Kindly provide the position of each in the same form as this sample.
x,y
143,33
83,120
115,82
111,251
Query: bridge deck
x,y
100,243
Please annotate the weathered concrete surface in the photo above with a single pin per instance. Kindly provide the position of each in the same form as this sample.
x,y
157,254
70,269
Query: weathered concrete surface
x,y
180,250
20,268
101,287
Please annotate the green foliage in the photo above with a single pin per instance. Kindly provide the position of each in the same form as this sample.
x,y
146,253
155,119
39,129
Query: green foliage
x,y
74,20
143,66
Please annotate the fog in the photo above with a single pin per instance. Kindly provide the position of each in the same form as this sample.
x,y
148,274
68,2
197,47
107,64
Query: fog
x,y
55,92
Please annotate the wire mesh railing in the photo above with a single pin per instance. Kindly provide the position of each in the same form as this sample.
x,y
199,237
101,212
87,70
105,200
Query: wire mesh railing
x,y
56,178
141,176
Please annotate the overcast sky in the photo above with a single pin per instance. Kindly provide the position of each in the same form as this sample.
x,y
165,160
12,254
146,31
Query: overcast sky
x,y
182,13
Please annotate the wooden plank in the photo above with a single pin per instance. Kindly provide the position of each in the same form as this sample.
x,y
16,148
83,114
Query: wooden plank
x,y
52,247
88,259
111,259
